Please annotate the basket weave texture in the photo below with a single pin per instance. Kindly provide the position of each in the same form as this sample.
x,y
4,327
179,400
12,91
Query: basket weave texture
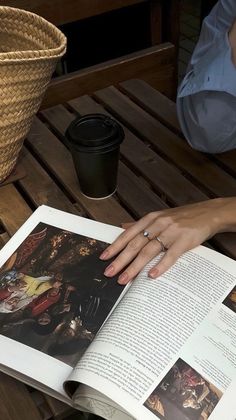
x,y
29,50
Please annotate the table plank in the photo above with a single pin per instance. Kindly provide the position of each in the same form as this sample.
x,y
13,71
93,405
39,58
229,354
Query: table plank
x,y
227,160
13,209
15,401
17,173
4,237
136,194
152,101
40,188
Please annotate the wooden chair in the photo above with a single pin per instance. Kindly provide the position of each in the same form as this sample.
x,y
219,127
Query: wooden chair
x,y
155,65
150,64
164,14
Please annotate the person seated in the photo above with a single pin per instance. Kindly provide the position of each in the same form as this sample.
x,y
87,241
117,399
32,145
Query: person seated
x,y
170,232
206,100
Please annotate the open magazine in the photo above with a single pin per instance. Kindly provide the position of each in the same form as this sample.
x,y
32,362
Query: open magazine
x,y
155,349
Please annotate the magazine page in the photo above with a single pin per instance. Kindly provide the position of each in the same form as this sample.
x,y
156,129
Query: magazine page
x,y
145,334
53,295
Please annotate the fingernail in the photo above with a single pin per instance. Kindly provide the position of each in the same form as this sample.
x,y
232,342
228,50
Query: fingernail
x,y
123,278
153,273
109,270
104,255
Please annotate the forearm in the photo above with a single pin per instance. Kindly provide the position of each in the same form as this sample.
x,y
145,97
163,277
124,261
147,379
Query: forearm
x,y
210,128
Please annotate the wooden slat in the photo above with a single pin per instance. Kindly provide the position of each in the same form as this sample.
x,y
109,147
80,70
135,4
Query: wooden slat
x,y
227,160
196,164
13,209
40,187
157,104
135,194
15,401
154,64
135,152
171,31
59,161
171,21
156,26
4,237
161,175
17,173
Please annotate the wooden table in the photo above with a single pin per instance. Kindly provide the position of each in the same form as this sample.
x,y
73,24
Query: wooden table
x,y
157,169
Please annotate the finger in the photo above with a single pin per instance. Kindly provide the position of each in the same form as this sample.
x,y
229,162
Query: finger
x,y
126,236
148,252
169,258
127,225
126,256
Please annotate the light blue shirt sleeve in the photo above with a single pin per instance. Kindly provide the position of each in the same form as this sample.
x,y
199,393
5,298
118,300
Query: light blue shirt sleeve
x,y
206,101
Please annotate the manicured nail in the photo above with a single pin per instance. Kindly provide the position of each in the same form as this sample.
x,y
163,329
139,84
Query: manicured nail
x,y
153,273
109,270
122,279
104,255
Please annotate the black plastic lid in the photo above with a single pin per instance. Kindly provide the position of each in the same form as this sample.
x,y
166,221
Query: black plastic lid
x,y
95,131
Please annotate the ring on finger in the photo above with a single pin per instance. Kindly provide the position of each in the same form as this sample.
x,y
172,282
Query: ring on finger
x,y
163,247
147,234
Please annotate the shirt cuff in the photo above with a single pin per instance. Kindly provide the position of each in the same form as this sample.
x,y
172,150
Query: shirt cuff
x,y
215,71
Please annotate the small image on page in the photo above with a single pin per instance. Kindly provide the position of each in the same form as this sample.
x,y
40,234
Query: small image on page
x,y
183,394
230,300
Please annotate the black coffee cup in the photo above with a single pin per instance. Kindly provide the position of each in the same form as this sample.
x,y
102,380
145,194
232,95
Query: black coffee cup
x,y
94,141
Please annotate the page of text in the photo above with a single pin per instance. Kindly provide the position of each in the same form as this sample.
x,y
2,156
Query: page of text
x,y
150,327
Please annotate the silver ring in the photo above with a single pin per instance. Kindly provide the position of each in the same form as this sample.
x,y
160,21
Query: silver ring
x,y
163,248
146,234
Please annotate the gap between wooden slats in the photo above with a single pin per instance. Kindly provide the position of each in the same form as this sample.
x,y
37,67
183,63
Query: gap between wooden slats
x,y
135,194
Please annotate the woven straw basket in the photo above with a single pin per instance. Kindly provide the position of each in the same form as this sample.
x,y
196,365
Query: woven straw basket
x,y
29,50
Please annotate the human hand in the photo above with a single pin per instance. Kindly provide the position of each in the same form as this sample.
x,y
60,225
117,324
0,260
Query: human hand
x,y
173,231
